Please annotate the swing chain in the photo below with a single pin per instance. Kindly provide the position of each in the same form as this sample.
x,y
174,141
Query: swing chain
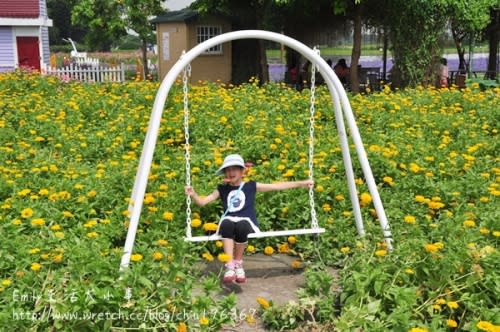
x,y
187,147
314,220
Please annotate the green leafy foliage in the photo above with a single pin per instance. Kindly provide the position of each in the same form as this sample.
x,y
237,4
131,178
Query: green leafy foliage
x,y
69,153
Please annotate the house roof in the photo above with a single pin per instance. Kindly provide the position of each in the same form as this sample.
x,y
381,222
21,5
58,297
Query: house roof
x,y
20,8
175,16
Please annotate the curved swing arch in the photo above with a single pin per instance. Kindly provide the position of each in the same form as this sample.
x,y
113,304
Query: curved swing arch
x,y
341,108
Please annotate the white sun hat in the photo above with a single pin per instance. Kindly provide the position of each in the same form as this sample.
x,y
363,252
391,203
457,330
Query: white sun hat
x,y
231,160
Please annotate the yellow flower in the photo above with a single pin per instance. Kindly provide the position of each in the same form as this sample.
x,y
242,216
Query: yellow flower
x,y
224,258
36,266
250,319
219,244
440,301
339,197
195,223
410,219
26,213
327,207
162,242
59,235
292,239
420,199
250,248
209,227
296,264
345,250
418,329
182,327
409,271
451,323
24,192
388,180
204,320
136,257
431,248
6,282
67,214
452,304
435,205
208,256
486,326
90,224
57,258
157,256
484,231
469,223
37,222
92,235
365,199
263,303
381,252
168,216
283,248
268,250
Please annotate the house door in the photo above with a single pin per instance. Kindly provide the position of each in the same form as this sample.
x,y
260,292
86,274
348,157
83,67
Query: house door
x,y
28,52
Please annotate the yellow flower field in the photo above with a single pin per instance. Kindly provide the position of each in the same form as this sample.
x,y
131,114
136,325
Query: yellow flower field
x,y
68,157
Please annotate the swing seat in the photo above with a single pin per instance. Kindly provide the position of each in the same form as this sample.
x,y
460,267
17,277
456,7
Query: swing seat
x,y
287,232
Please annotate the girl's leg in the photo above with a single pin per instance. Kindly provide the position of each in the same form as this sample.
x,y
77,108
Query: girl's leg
x,y
226,230
242,230
239,250
229,247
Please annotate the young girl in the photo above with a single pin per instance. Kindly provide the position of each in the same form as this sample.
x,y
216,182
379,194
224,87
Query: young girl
x,y
239,218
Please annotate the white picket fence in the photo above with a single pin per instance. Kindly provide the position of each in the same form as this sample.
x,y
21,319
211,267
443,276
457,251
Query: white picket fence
x,y
87,73
86,61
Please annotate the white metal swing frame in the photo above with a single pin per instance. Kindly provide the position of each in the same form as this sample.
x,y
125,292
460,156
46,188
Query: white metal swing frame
x,y
341,108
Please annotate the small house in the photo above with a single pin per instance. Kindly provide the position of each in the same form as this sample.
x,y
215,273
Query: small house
x,y
182,30
24,34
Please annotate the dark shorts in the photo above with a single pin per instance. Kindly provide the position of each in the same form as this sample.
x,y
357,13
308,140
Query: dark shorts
x,y
238,231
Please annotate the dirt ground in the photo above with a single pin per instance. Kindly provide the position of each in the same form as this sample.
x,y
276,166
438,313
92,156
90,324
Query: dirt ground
x,y
270,277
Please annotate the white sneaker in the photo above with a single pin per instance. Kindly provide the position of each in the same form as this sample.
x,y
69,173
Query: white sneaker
x,y
229,276
240,274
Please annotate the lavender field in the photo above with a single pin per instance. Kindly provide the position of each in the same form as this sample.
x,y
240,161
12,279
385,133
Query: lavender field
x,y
479,63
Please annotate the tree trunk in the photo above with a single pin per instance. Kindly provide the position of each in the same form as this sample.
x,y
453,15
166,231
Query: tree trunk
x,y
458,38
247,54
145,59
356,50
264,67
493,39
384,56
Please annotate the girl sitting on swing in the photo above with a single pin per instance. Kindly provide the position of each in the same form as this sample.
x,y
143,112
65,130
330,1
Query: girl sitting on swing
x,y
239,218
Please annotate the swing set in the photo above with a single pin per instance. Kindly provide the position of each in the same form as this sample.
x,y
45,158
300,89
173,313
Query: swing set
x,y
339,97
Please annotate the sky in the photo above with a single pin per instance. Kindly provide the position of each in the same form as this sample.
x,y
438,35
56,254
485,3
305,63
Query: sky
x,y
178,4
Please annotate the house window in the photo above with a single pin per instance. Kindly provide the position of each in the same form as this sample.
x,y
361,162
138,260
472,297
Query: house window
x,y
206,32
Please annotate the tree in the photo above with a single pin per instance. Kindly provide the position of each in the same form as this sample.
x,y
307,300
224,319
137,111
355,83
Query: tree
x,y
415,28
466,18
493,35
103,19
137,14
60,13
354,10
108,20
